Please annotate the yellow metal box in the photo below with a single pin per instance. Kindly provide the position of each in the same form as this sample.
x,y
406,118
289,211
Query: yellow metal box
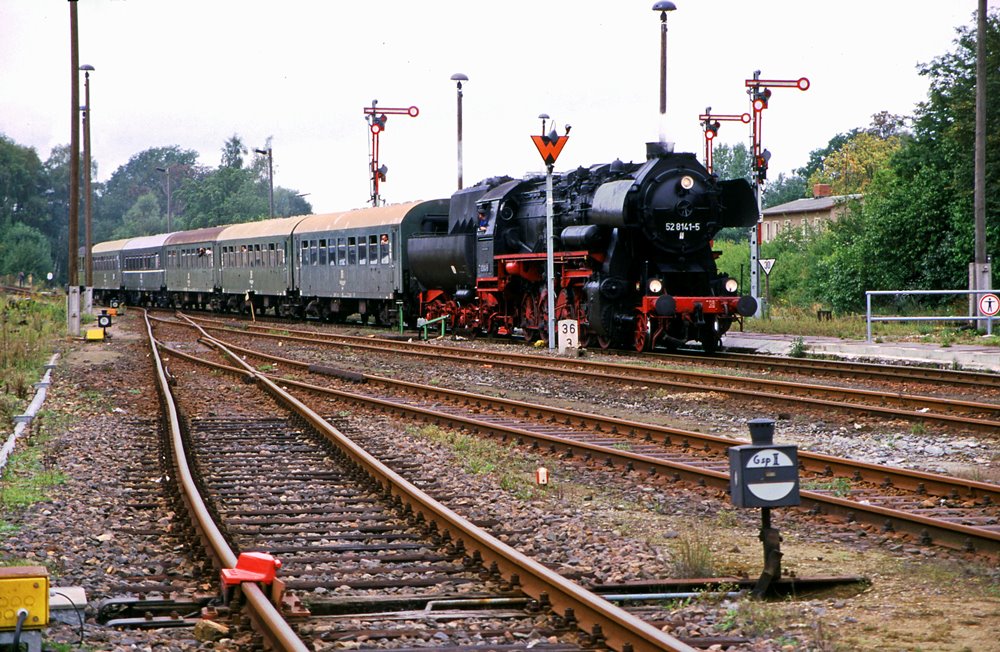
x,y
24,587
95,333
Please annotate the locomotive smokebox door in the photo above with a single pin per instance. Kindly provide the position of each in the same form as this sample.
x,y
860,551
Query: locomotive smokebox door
x,y
763,474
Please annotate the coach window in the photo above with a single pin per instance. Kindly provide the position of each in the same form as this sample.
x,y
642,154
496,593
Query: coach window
x,y
341,251
384,251
372,249
332,251
362,251
272,257
352,251
322,253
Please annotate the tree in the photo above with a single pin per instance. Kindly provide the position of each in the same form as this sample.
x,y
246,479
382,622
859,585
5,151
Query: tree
x,y
850,168
144,218
24,249
731,162
232,153
140,176
22,185
915,230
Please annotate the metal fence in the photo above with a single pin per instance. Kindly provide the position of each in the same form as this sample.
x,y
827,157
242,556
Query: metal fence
x,y
974,317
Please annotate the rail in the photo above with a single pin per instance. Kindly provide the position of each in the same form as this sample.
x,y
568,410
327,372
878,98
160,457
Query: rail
x,y
869,318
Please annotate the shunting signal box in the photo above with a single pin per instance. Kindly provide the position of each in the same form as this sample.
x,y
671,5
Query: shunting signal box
x,y
24,587
763,474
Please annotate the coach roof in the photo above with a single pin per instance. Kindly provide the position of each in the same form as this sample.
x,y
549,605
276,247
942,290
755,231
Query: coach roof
x,y
279,226
359,218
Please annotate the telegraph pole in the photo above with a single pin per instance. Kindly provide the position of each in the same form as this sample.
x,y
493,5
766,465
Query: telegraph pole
x,y
72,264
980,272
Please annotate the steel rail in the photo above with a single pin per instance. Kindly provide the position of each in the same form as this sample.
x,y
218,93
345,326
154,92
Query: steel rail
x,y
632,374
925,529
267,621
902,373
613,625
923,482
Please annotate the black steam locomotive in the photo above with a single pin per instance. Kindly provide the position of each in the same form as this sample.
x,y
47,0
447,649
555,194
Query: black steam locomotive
x,y
633,254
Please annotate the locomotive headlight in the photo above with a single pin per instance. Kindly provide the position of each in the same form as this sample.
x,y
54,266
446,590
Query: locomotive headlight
x,y
732,285
687,182
655,286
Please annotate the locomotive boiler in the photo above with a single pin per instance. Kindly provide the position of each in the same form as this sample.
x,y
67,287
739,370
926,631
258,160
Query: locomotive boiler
x,y
633,254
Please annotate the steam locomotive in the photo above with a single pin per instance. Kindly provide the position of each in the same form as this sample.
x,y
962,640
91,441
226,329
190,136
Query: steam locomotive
x,y
632,254
633,259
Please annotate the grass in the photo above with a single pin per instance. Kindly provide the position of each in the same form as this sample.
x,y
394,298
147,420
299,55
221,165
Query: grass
x,y
692,555
27,329
514,473
27,478
839,487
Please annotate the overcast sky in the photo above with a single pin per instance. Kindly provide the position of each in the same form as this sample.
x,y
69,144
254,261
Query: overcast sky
x,y
192,73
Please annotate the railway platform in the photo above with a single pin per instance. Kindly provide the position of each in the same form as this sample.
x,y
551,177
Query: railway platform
x,y
973,357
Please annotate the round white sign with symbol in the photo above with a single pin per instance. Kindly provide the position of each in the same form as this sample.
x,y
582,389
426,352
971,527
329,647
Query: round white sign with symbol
x,y
770,458
989,304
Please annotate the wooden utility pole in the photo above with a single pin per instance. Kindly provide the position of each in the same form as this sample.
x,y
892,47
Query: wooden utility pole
x,y
72,269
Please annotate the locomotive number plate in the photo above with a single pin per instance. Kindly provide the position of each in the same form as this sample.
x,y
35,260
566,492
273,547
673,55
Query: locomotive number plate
x,y
682,226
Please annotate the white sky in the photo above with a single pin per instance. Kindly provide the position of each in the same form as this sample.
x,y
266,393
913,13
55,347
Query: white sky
x,y
193,72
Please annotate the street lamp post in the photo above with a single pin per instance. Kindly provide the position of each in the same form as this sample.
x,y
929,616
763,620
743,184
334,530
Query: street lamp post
x,y
458,78
270,175
166,171
88,264
663,6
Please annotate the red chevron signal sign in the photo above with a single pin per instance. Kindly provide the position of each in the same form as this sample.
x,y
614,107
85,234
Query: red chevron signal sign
x,y
549,148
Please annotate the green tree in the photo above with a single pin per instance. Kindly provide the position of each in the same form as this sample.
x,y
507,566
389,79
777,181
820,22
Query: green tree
x,y
22,185
24,249
144,174
915,230
144,218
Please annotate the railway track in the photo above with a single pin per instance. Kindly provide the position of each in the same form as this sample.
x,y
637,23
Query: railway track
x,y
344,522
941,411
934,509
832,368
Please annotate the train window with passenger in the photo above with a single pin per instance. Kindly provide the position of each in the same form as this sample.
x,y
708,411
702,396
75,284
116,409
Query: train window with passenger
x,y
332,252
322,253
341,251
352,251
362,251
384,251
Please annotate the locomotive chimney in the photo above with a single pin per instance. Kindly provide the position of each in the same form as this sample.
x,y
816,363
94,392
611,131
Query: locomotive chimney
x,y
658,150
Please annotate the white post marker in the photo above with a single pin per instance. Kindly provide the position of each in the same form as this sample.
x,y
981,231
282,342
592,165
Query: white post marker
x,y
541,476
569,337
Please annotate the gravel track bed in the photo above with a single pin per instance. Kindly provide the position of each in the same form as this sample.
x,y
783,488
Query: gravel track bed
x,y
589,523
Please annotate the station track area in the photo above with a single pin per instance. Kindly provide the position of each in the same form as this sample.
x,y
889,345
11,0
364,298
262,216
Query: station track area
x,y
953,405
955,512
607,528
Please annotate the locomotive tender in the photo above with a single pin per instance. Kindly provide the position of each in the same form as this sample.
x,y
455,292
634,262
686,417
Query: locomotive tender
x,y
633,258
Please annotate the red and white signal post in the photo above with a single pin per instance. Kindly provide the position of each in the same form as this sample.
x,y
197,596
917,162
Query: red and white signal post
x,y
710,123
759,91
376,118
